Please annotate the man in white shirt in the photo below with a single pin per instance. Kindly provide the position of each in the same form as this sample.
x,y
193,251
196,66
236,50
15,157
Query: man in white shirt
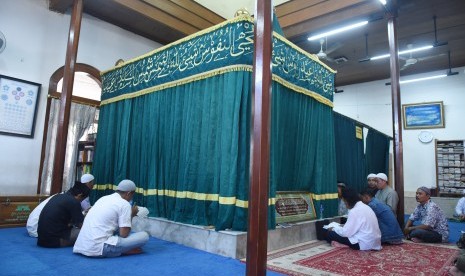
x,y
33,219
361,231
460,208
107,226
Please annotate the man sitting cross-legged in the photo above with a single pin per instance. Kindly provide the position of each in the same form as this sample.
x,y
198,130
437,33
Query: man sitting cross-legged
x,y
106,231
433,224
361,231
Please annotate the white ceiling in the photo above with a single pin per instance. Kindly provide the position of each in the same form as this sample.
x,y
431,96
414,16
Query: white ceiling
x,y
227,8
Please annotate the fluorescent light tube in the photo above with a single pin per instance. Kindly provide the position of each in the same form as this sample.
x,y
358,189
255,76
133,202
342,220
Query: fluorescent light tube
x,y
422,79
404,52
340,30
383,2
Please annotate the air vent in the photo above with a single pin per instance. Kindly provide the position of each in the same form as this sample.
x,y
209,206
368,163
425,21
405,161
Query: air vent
x,y
339,60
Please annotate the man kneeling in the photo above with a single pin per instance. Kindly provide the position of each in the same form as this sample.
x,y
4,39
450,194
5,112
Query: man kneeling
x,y
61,218
108,215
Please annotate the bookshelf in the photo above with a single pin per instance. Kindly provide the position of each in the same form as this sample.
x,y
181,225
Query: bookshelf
x,y
85,158
450,167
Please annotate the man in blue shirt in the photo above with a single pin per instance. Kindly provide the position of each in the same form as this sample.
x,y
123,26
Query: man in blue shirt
x,y
390,229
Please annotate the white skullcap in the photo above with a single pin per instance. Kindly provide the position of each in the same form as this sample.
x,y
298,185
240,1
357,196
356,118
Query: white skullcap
x,y
86,178
371,175
126,185
382,176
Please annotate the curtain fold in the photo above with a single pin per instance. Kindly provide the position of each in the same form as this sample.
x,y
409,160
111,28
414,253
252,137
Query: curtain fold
x,y
353,163
303,148
81,119
350,156
377,152
186,147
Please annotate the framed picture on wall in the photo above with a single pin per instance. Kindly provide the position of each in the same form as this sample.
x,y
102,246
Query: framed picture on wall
x,y
423,115
18,106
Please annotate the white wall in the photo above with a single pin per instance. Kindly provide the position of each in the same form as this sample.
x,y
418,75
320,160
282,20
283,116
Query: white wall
x,y
36,47
370,103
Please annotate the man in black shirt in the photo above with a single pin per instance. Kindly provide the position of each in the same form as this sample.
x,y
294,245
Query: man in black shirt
x,y
61,218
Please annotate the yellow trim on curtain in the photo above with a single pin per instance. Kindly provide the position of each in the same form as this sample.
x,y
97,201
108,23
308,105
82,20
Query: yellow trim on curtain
x,y
201,76
304,91
204,75
324,196
190,195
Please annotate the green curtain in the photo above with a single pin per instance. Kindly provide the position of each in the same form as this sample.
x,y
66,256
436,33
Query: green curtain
x,y
188,147
350,157
302,147
353,164
377,152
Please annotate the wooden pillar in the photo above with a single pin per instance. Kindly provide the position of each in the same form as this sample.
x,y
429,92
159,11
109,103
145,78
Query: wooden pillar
x,y
44,144
396,112
257,234
65,101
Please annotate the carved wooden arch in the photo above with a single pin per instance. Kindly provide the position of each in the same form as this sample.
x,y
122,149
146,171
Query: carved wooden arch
x,y
79,67
94,73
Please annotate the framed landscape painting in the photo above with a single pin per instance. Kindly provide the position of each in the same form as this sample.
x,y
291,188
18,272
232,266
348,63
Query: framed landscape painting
x,y
423,115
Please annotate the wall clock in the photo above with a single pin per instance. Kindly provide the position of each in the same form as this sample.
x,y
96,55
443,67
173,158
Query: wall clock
x,y
425,136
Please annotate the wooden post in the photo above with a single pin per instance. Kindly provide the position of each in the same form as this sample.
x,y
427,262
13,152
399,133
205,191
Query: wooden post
x,y
65,101
257,234
396,112
44,144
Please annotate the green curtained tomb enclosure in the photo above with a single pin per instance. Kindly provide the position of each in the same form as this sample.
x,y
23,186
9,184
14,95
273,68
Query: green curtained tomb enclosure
x,y
177,120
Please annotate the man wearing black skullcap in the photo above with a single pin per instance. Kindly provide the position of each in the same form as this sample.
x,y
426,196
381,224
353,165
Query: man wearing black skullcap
x,y
61,218
433,225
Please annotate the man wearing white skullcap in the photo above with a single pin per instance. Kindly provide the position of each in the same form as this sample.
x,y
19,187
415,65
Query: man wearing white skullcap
x,y
109,214
385,193
87,179
371,181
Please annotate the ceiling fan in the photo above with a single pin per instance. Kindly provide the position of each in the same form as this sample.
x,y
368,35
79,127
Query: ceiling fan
x,y
367,57
449,72
436,42
412,60
323,54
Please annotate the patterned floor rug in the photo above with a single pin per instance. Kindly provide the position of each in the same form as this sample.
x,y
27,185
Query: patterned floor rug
x,y
319,258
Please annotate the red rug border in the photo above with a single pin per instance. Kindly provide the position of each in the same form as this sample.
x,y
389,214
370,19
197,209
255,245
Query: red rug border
x,y
287,251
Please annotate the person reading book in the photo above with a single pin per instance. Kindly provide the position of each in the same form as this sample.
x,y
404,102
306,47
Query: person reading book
x,y
361,231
